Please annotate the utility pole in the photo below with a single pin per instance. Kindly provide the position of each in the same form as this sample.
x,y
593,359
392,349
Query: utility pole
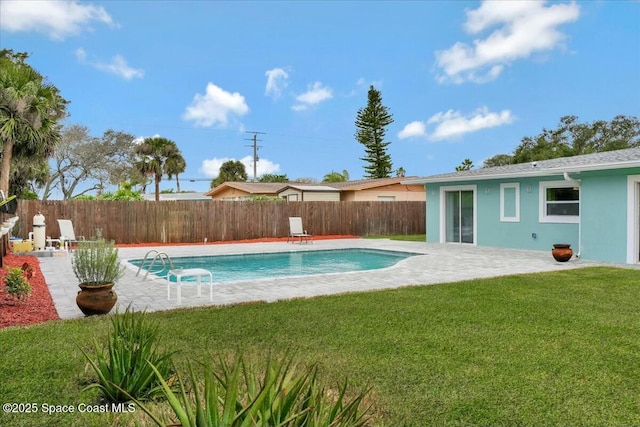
x,y
255,151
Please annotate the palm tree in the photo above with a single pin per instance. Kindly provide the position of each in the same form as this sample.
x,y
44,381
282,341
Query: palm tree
x,y
336,176
175,166
30,109
158,156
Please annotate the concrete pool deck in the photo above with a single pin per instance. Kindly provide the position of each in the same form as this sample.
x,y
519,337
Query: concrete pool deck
x,y
441,263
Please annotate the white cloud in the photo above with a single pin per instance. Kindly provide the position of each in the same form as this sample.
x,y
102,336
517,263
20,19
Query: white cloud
x,y
524,28
117,66
453,124
276,82
57,19
215,106
315,94
413,129
211,167
140,139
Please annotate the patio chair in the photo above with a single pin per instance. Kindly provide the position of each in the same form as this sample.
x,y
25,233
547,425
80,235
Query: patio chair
x,y
296,231
67,234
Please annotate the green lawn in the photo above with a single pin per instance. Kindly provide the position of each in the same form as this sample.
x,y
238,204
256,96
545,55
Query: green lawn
x,y
552,349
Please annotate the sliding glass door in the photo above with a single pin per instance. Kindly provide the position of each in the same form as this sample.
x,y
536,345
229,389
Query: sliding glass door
x,y
459,216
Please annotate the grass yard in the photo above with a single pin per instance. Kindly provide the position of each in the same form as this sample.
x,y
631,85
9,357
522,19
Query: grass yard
x,y
552,349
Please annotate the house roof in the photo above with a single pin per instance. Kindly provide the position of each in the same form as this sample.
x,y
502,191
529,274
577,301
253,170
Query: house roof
x,y
617,159
364,184
311,187
249,187
272,188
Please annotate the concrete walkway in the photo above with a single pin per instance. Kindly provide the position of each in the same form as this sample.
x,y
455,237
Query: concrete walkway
x,y
440,263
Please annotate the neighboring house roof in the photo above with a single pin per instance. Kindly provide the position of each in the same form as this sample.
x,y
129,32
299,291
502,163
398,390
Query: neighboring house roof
x,y
310,187
177,196
364,184
273,188
270,188
617,159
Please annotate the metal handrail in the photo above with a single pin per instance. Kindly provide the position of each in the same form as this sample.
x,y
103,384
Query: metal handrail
x,y
162,256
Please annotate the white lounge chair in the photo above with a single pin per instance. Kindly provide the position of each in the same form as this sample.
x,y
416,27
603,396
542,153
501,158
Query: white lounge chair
x,y
67,234
296,231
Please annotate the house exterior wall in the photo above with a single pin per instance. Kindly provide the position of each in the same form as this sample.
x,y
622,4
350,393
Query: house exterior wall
x,y
231,193
400,193
491,230
604,215
311,196
601,233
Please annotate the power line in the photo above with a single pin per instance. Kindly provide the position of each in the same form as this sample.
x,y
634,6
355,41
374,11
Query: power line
x,y
255,151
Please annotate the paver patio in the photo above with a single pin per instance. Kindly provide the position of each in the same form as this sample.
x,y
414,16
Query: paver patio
x,y
440,263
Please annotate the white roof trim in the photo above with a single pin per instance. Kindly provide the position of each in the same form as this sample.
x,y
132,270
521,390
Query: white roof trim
x,y
522,174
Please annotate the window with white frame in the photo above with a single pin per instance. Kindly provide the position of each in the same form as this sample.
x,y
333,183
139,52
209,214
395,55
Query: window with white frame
x,y
510,202
559,202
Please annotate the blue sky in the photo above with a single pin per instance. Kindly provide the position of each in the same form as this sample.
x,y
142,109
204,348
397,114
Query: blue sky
x,y
463,79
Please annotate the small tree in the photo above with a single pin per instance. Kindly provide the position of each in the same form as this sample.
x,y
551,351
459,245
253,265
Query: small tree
x,y
232,170
371,122
17,284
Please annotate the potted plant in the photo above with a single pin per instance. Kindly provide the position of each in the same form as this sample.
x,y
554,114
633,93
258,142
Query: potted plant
x,y
95,264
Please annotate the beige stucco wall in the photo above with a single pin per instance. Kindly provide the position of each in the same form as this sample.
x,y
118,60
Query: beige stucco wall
x,y
402,193
312,196
231,193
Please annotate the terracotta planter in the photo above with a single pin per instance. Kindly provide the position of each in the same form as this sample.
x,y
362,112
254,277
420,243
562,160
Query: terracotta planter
x,y
562,252
96,299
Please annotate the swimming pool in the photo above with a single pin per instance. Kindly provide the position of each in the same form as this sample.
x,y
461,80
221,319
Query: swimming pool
x,y
227,268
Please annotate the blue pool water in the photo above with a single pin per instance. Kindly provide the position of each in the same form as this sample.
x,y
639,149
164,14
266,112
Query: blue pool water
x,y
227,268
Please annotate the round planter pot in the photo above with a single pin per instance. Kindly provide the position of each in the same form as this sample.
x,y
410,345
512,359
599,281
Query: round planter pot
x,y
562,252
96,299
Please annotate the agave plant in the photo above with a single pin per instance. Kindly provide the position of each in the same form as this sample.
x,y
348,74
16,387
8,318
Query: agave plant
x,y
240,395
132,364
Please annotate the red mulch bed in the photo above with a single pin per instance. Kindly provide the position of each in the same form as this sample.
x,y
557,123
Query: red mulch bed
x,y
37,308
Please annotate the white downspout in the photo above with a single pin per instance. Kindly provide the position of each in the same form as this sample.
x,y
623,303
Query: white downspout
x,y
576,182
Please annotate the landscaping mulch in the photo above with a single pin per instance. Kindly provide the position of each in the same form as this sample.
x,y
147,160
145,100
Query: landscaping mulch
x,y
37,308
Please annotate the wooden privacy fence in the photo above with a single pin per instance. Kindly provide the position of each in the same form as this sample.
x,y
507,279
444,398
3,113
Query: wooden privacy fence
x,y
194,221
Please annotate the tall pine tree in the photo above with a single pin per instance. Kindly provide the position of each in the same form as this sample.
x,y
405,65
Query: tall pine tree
x,y
370,124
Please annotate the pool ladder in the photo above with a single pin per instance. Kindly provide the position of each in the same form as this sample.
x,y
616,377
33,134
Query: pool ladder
x,y
163,257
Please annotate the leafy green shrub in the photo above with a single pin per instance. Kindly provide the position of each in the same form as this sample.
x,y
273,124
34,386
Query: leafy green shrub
x,y
17,285
278,395
124,368
263,198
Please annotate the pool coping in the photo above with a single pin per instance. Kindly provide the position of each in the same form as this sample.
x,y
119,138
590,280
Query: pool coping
x,y
444,263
